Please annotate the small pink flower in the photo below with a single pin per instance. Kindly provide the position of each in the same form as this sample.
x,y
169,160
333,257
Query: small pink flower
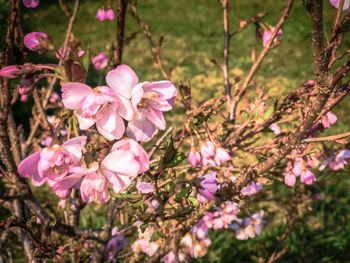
x,y
100,105
289,179
328,120
208,186
144,188
275,128
101,14
126,160
94,188
208,149
149,100
267,35
336,162
115,244
221,156
251,189
35,41
10,72
54,97
30,3
194,158
24,98
52,163
100,61
110,14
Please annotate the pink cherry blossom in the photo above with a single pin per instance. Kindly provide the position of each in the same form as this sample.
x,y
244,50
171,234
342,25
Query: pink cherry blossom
x,y
221,156
101,14
100,61
115,244
336,3
94,188
251,189
30,3
267,35
208,186
328,120
24,98
275,128
33,41
336,162
52,163
110,14
126,160
100,105
149,99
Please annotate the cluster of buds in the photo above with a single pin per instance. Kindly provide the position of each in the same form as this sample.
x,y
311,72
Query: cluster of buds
x,y
102,14
210,155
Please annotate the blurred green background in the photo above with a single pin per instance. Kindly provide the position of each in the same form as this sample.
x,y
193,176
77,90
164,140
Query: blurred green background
x,y
193,35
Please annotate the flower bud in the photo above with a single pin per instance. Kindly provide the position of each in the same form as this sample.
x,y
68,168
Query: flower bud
x,y
194,157
207,186
10,72
110,14
101,15
38,41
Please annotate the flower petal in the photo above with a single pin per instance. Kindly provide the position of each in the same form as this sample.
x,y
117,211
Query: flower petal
x,y
110,124
73,94
122,80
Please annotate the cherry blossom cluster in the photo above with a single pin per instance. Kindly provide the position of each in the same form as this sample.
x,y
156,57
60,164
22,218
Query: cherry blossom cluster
x,y
210,154
62,168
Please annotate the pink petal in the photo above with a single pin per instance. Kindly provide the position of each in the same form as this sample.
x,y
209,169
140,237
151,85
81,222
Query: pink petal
x,y
109,124
29,166
156,117
84,123
62,188
121,162
125,108
75,146
73,94
122,80
141,129
164,87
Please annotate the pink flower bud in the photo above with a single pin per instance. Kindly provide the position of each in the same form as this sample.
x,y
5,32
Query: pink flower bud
x,y
37,41
221,156
208,149
110,14
208,185
24,98
101,15
30,3
10,72
194,158
242,23
100,61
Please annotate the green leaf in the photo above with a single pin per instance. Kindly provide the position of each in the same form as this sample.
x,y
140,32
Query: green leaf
x,y
144,226
155,237
178,158
267,113
193,201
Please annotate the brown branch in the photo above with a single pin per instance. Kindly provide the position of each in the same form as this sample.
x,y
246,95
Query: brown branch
x,y
118,52
226,51
161,139
328,138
